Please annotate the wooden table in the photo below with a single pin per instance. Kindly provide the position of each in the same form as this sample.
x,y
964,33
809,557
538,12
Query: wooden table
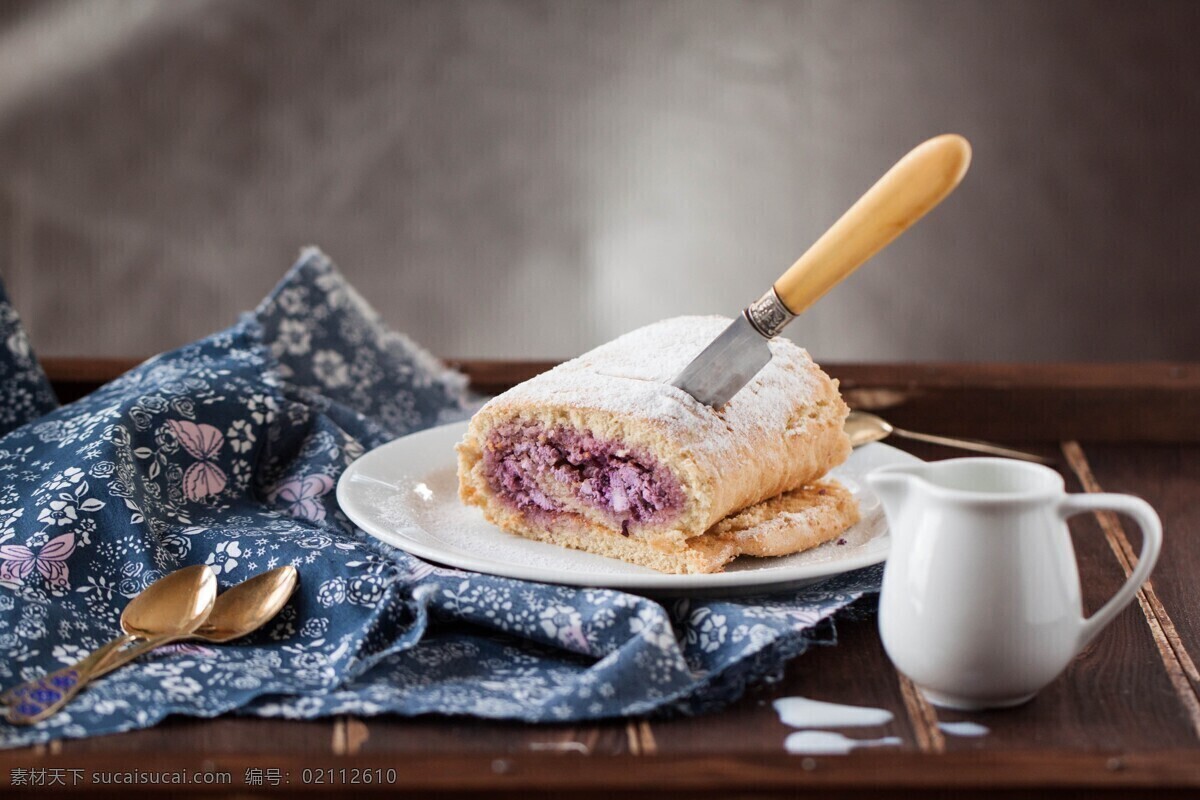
x,y
1124,719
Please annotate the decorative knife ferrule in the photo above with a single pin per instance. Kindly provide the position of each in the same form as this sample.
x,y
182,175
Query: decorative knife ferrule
x,y
769,315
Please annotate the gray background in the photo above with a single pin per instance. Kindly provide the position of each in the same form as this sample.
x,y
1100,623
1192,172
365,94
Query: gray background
x,y
527,179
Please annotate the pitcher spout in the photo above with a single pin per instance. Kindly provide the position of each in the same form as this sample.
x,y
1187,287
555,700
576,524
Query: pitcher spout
x,y
894,485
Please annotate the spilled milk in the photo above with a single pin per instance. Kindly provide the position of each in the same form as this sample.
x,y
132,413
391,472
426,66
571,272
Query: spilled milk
x,y
801,712
964,728
828,743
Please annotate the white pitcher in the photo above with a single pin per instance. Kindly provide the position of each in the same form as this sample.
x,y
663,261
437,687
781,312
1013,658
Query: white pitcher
x,y
981,603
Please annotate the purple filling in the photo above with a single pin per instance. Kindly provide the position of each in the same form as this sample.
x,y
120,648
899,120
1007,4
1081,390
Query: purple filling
x,y
629,485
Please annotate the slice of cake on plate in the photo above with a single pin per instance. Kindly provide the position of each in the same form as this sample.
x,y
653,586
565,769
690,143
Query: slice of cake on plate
x,y
603,454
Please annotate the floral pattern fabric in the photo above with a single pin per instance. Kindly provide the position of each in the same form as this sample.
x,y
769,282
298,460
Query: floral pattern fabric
x,y
25,394
226,452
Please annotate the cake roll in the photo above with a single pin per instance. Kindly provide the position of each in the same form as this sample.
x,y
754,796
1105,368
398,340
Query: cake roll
x,y
603,454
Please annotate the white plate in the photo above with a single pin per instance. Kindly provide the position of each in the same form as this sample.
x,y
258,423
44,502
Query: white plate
x,y
405,493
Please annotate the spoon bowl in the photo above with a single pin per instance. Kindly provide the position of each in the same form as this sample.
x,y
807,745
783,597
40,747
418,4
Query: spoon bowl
x,y
174,605
246,607
864,428
238,611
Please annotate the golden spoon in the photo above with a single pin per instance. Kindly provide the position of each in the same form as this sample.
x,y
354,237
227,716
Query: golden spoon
x,y
237,612
168,609
864,428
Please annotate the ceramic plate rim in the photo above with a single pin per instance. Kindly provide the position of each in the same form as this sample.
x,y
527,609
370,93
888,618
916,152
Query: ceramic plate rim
x,y
762,578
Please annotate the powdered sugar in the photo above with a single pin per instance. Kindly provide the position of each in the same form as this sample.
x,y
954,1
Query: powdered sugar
x,y
631,375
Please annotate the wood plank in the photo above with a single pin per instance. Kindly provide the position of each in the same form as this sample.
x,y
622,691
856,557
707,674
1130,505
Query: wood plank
x,y
923,716
493,377
349,734
1114,721
221,736
1169,479
917,376
449,735
1171,376
87,370
1032,402
876,773
1003,402
855,672
1175,658
72,378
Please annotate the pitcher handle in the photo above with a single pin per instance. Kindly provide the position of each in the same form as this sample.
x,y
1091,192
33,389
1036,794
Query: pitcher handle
x,y
1147,519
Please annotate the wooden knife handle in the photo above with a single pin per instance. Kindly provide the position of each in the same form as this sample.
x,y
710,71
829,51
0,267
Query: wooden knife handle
x,y
917,183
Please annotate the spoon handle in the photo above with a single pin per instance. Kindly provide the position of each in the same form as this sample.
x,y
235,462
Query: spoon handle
x,y
42,697
140,648
970,444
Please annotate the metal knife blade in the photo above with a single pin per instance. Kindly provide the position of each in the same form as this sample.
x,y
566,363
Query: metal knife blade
x,y
908,191
728,363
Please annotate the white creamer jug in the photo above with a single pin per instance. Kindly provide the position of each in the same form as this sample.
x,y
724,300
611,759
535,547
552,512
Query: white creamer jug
x,y
981,605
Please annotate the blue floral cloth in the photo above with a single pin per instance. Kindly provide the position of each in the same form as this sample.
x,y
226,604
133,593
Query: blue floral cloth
x,y
226,452
25,394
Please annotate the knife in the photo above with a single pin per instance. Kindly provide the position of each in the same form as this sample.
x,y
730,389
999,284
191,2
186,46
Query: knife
x,y
916,184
